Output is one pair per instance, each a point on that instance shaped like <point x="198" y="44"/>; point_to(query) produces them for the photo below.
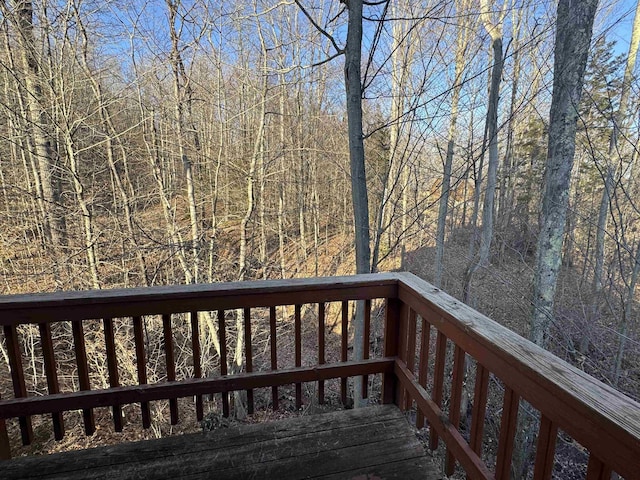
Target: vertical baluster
<point x="274" y="353"/>
<point x="141" y="363"/>
<point x="365" y="348"/>
<point x="223" y="359"/>
<point x="170" y="362"/>
<point x="456" y="398"/>
<point x="248" y="355"/>
<point x="411" y="351"/>
<point x="438" y="380"/>
<point x="423" y="367"/>
<point x="545" y="449"/>
<point x="401" y="393"/>
<point x="197" y="360"/>
<point x="597" y="470"/>
<point x="297" y="326"/>
<point x="508" y="425"/>
<point x="5" y="448"/>
<point x="17" y="378"/>
<point x="344" y="341"/>
<point x="321" y="360"/>
<point x="83" y="372"/>
<point x="391" y="338"/>
<point x="481" y="390"/>
<point x="52" y="376"/>
<point x="112" y="366"/>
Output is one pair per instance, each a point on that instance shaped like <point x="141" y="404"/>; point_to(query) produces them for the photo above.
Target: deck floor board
<point x="371" y="443"/>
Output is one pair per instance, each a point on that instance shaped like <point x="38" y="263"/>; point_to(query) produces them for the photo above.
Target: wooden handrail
<point x="114" y="303"/>
<point x="603" y="420"/>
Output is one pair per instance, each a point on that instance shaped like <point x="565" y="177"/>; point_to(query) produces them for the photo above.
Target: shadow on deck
<point x="369" y="443"/>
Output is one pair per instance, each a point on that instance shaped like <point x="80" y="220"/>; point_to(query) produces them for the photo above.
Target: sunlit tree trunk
<point x="573" y="36"/>
<point x="460" y="60"/>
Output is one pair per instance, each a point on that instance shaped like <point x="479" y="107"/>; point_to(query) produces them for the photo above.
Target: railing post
<point x="5" y="448"/>
<point x="391" y="349"/>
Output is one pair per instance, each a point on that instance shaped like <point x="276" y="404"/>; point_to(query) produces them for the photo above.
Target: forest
<point x="156" y="142"/>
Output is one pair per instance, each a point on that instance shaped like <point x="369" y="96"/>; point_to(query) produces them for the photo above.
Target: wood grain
<point x="144" y="393"/>
<point x="602" y="419"/>
<point x="112" y="366"/>
<point x="116" y="303"/>
<point x="375" y="442"/>
<point x="83" y="373"/>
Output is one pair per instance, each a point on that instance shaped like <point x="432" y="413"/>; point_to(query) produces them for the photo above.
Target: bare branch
<point x="319" y="28"/>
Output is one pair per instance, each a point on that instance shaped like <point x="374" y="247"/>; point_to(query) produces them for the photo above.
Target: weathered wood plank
<point x="46" y="343"/>
<point x="273" y="343"/>
<point x="366" y="339"/>
<point x="545" y="450"/>
<point x="145" y="393"/>
<point x="301" y="447"/>
<point x="508" y="425"/>
<point x="112" y="366"/>
<point x="438" y="382"/>
<point x="321" y="348"/>
<point x="83" y="373"/>
<point x="344" y="343"/>
<point x="470" y="461"/>
<point x="480" y="393"/>
<point x="225" y="439"/>
<point x="298" y="351"/>
<point x="223" y="358"/>
<point x="456" y="398"/>
<point x="323" y="462"/>
<point x="170" y="363"/>
<point x="248" y="354"/>
<point x="423" y="365"/>
<point x="5" y="447"/>
<point x="197" y="360"/>
<point x="17" y="378"/>
<point x="391" y="336"/>
<point x="80" y="305"/>
<point x="141" y="365"/>
<point x="410" y="469"/>
<point x="602" y="419"/>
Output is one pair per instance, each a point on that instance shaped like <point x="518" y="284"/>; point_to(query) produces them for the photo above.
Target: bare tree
<point x="573" y="36"/>
<point x="460" y="61"/>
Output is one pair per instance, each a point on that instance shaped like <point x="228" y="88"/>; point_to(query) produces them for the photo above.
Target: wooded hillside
<point x="166" y="142"/>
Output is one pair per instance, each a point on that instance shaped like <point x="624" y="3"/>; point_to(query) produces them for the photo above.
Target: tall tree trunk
<point x="461" y="49"/>
<point x="626" y="318"/>
<point x="618" y="129"/>
<point x="491" y="136"/>
<point x="39" y="130"/>
<point x="492" y="133"/>
<point x="180" y="91"/>
<point x="359" y="194"/>
<point x="573" y="36"/>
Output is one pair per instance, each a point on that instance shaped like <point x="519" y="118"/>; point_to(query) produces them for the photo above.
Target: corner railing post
<point x="391" y="340"/>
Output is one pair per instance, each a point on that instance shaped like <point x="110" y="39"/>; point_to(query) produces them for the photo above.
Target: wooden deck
<point x="371" y="443"/>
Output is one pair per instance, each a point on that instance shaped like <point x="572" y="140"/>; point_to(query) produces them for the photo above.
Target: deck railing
<point x="416" y="364"/>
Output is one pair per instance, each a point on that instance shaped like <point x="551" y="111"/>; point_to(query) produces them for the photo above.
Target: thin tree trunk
<point x="359" y="194"/>
<point x="626" y="318"/>
<point x="461" y="49"/>
<point x="39" y="130"/>
<point x="179" y="93"/>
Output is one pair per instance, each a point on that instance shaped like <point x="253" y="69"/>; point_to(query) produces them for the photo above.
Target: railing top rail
<point x="603" y="419"/>
<point x="88" y="304"/>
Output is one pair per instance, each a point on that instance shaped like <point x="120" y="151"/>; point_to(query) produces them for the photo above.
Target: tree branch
<point x="320" y="29"/>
